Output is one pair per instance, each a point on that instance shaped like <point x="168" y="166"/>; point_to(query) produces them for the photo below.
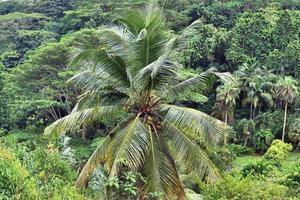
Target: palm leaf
<point x="129" y="145"/>
<point x="160" y="171"/>
<point x="76" y="118"/>
<point x="204" y="79"/>
<point x="104" y="61"/>
<point x="195" y="122"/>
<point x="99" y="156"/>
<point x="157" y="75"/>
<point x="191" y="156"/>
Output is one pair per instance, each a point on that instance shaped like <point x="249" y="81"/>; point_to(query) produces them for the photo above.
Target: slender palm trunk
<point x="84" y="132"/>
<point x="284" y="120"/>
<point x="226" y="122"/>
<point x="251" y="110"/>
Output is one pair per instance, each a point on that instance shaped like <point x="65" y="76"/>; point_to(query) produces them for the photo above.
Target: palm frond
<point x="205" y="78"/>
<point x="115" y="39"/>
<point x="196" y="123"/>
<point x="160" y="171"/>
<point x="147" y="38"/>
<point x="76" y="118"/>
<point x="129" y="146"/>
<point x="105" y="61"/>
<point x="157" y="75"/>
<point x="109" y="97"/>
<point x="99" y="156"/>
<point x="134" y="22"/>
<point x="191" y="156"/>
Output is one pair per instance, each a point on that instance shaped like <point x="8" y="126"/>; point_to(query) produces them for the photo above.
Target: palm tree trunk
<point x="251" y="108"/>
<point x="84" y="132"/>
<point x="226" y="122"/>
<point x="284" y="120"/>
<point x="246" y="140"/>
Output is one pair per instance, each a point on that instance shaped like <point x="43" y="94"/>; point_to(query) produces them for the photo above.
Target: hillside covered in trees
<point x="149" y="100"/>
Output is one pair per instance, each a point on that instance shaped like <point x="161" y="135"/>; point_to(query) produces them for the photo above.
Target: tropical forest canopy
<point x="154" y="100"/>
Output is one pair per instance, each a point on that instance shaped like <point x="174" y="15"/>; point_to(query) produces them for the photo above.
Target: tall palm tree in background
<point x="227" y="94"/>
<point x="287" y="92"/>
<point x="258" y="92"/>
<point x="128" y="70"/>
<point x="256" y="86"/>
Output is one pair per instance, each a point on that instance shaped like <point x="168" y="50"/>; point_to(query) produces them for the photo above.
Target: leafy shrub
<point x="123" y="186"/>
<point x="259" y="167"/>
<point x="15" y="181"/>
<point x="55" y="177"/>
<point x="278" y="151"/>
<point x="292" y="177"/>
<point x="222" y="157"/>
<point x="234" y="188"/>
<point x="262" y="139"/>
<point x="82" y="149"/>
<point x="48" y="165"/>
<point x="271" y="161"/>
<point x="270" y="120"/>
<point x="239" y="150"/>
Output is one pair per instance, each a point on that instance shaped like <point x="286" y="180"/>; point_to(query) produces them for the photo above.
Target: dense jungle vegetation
<point x="149" y="99"/>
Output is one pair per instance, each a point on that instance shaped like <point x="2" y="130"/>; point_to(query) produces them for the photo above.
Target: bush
<point x="260" y="167"/>
<point x="271" y="161"/>
<point x="278" y="151"/>
<point x="239" y="150"/>
<point x="54" y="176"/>
<point x="262" y="139"/>
<point x="222" y="157"/>
<point x="234" y="188"/>
<point x="15" y="181"/>
<point x="292" y="178"/>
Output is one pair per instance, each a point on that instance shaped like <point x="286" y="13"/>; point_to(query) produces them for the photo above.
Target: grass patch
<point x="242" y="161"/>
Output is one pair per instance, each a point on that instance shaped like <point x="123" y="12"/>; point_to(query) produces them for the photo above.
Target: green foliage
<point x="256" y="40"/>
<point x="260" y="167"/>
<point x="271" y="120"/>
<point x="235" y="187"/>
<point x="292" y="177"/>
<point x="245" y="128"/>
<point x="263" y="139"/>
<point x="239" y="150"/>
<point x="278" y="151"/>
<point x="202" y="44"/>
<point x="269" y="45"/>
<point x="245" y="125"/>
<point x="15" y="180"/>
<point x="222" y="157"/>
<point x="294" y="132"/>
<point x="271" y="161"/>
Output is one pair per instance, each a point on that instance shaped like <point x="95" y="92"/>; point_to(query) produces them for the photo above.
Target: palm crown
<point x="128" y="69"/>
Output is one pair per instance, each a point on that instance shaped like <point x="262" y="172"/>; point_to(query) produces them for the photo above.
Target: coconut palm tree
<point x="258" y="92"/>
<point x="128" y="70"/>
<point x="287" y="92"/>
<point x="227" y="94"/>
